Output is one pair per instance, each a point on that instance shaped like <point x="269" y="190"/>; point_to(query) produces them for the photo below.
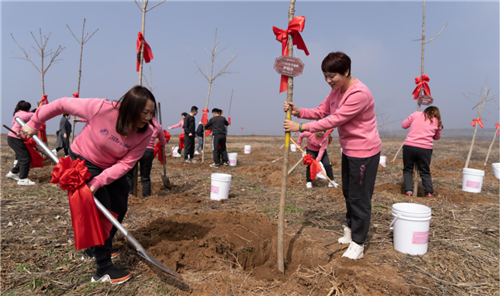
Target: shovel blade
<point x="166" y="182"/>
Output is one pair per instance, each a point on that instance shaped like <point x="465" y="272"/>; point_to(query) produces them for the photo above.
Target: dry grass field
<point x="229" y="247"/>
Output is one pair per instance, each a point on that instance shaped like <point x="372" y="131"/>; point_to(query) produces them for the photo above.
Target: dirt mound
<point x="449" y="163"/>
<point x="457" y="197"/>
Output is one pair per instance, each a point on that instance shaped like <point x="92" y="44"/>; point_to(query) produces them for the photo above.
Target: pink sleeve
<point x="83" y="120"/>
<point x="161" y="134"/>
<point x="180" y="124"/>
<point x="437" y="136"/>
<point x="407" y="123"/>
<point x="353" y="105"/>
<point x="299" y="141"/>
<point x="122" y="166"/>
<point x="317" y="113"/>
<point x="322" y="149"/>
<point x="85" y="108"/>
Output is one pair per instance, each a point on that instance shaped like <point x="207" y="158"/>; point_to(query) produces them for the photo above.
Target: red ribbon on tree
<point x="42" y="134"/>
<point x="479" y="121"/>
<point x="76" y="95"/>
<point x="43" y="101"/>
<point x="147" y="54"/>
<point x="204" y="120"/>
<point x="497" y="125"/>
<point x="36" y="158"/>
<point x="181" y="141"/>
<point x="91" y="227"/>
<point x="294" y="27"/>
<point x="314" y="166"/>
<point x="419" y="81"/>
<point x="229" y="120"/>
<point x="157" y="148"/>
<point x="327" y="134"/>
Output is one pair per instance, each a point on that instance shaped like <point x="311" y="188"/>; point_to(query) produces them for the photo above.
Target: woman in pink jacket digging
<point x="350" y="108"/>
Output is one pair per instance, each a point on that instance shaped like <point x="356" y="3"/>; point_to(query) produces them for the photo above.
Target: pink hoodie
<point x="157" y="133"/>
<point x="25" y="116"/>
<point x="314" y="143"/>
<point x="354" y="114"/>
<point x="422" y="131"/>
<point x="180" y="124"/>
<point x="98" y="141"/>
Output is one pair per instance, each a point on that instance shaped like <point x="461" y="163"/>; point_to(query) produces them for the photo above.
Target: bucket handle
<point x="398" y="216"/>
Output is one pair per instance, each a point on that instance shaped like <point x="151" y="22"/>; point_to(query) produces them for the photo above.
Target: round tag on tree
<point x="289" y="66"/>
<point x="425" y="100"/>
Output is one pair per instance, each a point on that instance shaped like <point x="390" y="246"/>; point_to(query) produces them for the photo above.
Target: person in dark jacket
<point x="218" y="125"/>
<point x="199" y="136"/>
<point x="189" y="133"/>
<point x="63" y="135"/>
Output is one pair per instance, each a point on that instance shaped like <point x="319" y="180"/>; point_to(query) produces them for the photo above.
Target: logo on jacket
<point x="104" y="132"/>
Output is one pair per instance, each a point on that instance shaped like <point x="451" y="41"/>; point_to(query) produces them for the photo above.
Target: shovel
<point x="110" y="217"/>
<point x="164" y="178"/>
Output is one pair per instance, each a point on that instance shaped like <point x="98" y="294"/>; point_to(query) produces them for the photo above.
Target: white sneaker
<point x="333" y="184"/>
<point x="25" y="182"/>
<point x="309" y="185"/>
<point x="346" y="239"/>
<point x="354" y="251"/>
<point x="196" y="153"/>
<point x="54" y="151"/>
<point x="12" y="176"/>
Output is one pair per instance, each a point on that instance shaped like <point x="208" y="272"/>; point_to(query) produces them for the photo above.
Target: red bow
<point x="157" y="148"/>
<point x="498" y="126"/>
<point x="76" y="95"/>
<point x="229" y="120"/>
<point x="147" y="54"/>
<point x="36" y="159"/>
<point x="314" y="166"/>
<point x="91" y="227"/>
<point x="294" y="27"/>
<point x="43" y="101"/>
<point x="42" y="134"/>
<point x="204" y="117"/>
<point x="167" y="136"/>
<point x="473" y="123"/>
<point x="419" y="81"/>
<point x="181" y="141"/>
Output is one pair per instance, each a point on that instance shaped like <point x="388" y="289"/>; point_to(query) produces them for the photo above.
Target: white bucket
<point x="383" y="160"/>
<point x="175" y="152"/>
<point x="220" y="186"/>
<point x="248" y="148"/>
<point x="496" y="169"/>
<point x="233" y="158"/>
<point x="293" y="148"/>
<point x="411" y="228"/>
<point x="472" y="180"/>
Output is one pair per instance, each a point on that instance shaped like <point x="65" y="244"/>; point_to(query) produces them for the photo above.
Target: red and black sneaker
<point x="409" y="193"/>
<point x="429" y="195"/>
<point x="112" y="275"/>
<point x="114" y="253"/>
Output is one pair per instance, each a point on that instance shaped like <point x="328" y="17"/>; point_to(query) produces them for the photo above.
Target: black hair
<point x="215" y="110"/>
<point x="130" y="107"/>
<point x="184" y="114"/>
<point x="65" y="114"/>
<point x="23" y="106"/>
<point x="336" y="62"/>
<point x="194" y="108"/>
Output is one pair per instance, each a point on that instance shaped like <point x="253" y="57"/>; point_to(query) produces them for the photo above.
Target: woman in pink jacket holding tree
<point x="350" y="108"/>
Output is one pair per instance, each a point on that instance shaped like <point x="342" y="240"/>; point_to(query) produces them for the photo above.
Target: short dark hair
<point x="194" y="108"/>
<point x="23" y="106"/>
<point x="65" y="114"/>
<point x="215" y="110"/>
<point x="336" y="62"/>
<point x="130" y="107"/>
<point x="184" y="114"/>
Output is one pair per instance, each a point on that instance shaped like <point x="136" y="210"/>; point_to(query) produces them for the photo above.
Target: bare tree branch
<point x="155" y="5"/>
<point x="437" y="34"/>
<point x="26" y="55"/>
<point x="140" y="7"/>
<point x="199" y="69"/>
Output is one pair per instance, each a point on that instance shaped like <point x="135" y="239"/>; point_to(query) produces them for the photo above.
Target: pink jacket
<point x="180" y="124"/>
<point x="354" y="114"/>
<point x="25" y="116"/>
<point x="314" y="143"/>
<point x="157" y="133"/>
<point x="98" y="141"/>
<point x="422" y="131"/>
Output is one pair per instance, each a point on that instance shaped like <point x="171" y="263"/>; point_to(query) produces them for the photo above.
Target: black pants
<point x="22" y="155"/>
<point x="113" y="197"/>
<point x="189" y="143"/>
<point x="421" y="157"/>
<point x="219" y="139"/>
<point x="326" y="163"/>
<point x="65" y="150"/>
<point x="146" y="162"/>
<point x="358" y="182"/>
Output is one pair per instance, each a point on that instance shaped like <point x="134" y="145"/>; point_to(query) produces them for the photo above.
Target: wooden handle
<point x="10" y="130"/>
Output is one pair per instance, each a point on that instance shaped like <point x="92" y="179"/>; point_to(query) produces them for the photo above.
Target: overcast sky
<point x="378" y="36"/>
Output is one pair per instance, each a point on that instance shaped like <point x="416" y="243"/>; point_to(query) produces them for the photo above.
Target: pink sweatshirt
<point x="25" y="116"/>
<point x="354" y="114"/>
<point x="314" y="143"/>
<point x="157" y="133"/>
<point x="98" y="141"/>
<point x="180" y="124"/>
<point x="422" y="131"/>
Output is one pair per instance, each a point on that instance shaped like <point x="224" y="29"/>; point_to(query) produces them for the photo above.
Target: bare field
<point x="229" y="247"/>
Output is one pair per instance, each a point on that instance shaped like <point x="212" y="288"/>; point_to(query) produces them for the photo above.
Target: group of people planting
<point x="119" y="134"/>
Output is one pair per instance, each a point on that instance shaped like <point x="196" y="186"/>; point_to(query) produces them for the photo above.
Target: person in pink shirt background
<point x="113" y="139"/>
<point x="350" y="107"/>
<point x="425" y="127"/>
<point x="180" y="124"/>
<point x="316" y="146"/>
<point x="21" y="168"/>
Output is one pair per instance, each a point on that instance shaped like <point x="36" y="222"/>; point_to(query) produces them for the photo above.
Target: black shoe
<point x="214" y="165"/>
<point x="112" y="275"/>
<point x="90" y="255"/>
<point x="226" y="163"/>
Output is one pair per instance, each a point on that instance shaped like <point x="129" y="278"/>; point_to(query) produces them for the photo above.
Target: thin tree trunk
<point x="42" y="72"/>
<point x="79" y="78"/>
<point x="284" y="177"/>
<point x="482" y="101"/>
<point x="491" y="145"/>
<point x="204" y="136"/>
